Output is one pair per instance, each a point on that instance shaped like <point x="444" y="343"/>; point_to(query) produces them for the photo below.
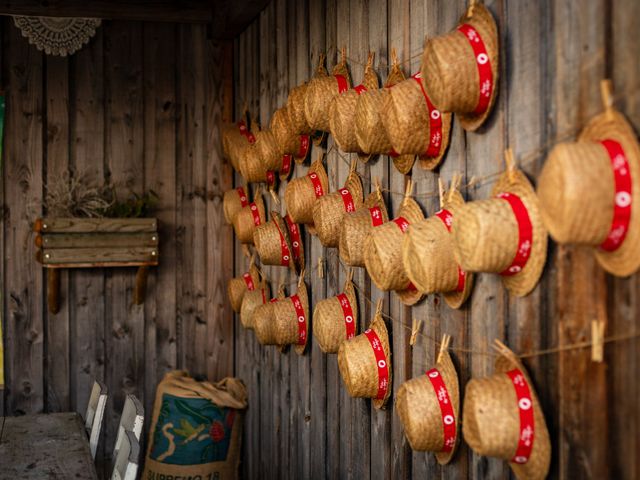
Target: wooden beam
<point x="231" y="18"/>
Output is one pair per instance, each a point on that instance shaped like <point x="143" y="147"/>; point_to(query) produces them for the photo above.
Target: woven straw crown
<point x="251" y="300"/>
<point x="420" y="413"/>
<point x="295" y="106"/>
<point x="232" y="203"/>
<point x="358" y="364"/>
<point x="428" y="259"/>
<point x="264" y="155"/>
<point x="450" y="69"/>
<point x="329" y="322"/>
<point x="491" y="419"/>
<point x="330" y="210"/>
<point x="383" y="254"/>
<point x="234" y="142"/>
<point x="286" y="320"/>
<point x="486" y="234"/>
<point x="356" y="227"/>
<point x="577" y="192"/>
<point x="300" y="196"/>
<point x="237" y="287"/>
<point x="244" y="224"/>
<point x="289" y="142"/>
<point x="268" y="239"/>
<point x="263" y="321"/>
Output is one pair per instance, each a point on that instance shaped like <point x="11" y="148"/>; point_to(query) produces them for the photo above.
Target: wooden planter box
<point x="96" y="242"/>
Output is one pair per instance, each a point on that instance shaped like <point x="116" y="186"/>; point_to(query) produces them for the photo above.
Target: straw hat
<point x="289" y="142"/>
<point x="383" y="252"/>
<point x="370" y="132"/>
<point x="330" y="210"/>
<point x="427" y="253"/>
<point x="321" y="90"/>
<point x="429" y="408"/>
<point x="238" y="286"/>
<point x="291" y="319"/>
<point x="295" y="103"/>
<point x="274" y="243"/>
<point x="233" y="201"/>
<point x="503" y="234"/>
<point x="251" y="300"/>
<point x="413" y="124"/>
<point x="589" y="192"/>
<point x="248" y="218"/>
<point x="342" y="112"/>
<point x="301" y="193"/>
<point x="365" y="362"/>
<point x="264" y="322"/>
<point x="356" y="227"/>
<point x="260" y="157"/>
<point x="336" y="318"/>
<point x="235" y="138"/>
<point x="460" y="69"/>
<point x="502" y="418"/>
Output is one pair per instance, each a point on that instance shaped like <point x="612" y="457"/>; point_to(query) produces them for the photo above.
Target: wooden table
<point x="51" y="445"/>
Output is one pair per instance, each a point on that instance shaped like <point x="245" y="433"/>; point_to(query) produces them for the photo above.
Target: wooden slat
<point x="93" y="225"/>
<point x="103" y="255"/>
<point x="92" y="240"/>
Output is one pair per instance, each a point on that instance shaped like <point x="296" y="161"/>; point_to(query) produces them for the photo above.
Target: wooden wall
<point x="137" y="106"/>
<point x="301" y="422"/>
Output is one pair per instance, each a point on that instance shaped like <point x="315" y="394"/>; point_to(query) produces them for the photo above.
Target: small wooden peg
<point x="408" y="191"/>
<point x="376" y="183"/>
<point x="511" y="164"/>
<point x="352" y="166"/>
<point x="321" y="267"/>
<point x="275" y="197"/>
<point x="415" y="329"/>
<point x="597" y="340"/>
<point x="301" y="279"/>
<point x="247" y="253"/>
<point x="441" y="192"/>
<point x="343" y="55"/>
<point x="472" y="4"/>
<point x="349" y="274"/>
<point x="444" y="346"/>
<point x="379" y="304"/>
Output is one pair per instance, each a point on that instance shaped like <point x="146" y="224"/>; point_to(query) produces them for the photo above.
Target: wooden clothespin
<point x="353" y="165"/>
<point x="370" y="58"/>
<point x="379" y="304"/>
<point x="444" y="346"/>
<point x="349" y="274"/>
<point x="511" y="164"/>
<point x="321" y="267"/>
<point x="597" y="340"/>
<point x="281" y="292"/>
<point x="441" y="192"/>
<point x="472" y="4"/>
<point x="455" y="184"/>
<point x="376" y="184"/>
<point x="607" y="97"/>
<point x="343" y="55"/>
<point x="301" y="279"/>
<point x="416" y="325"/>
<point x="247" y="253"/>
<point x="408" y="191"/>
<point x="274" y="196"/>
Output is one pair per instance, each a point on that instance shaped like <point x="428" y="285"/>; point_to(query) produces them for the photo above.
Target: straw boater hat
<point x="235" y="138"/>
<point x="330" y="210"/>
<point x="291" y="319"/>
<point x="335" y="319"/>
<point x="248" y="218"/>
<point x="383" y="251"/>
<point x="365" y="362"/>
<point x="264" y="322"/>
<point x="290" y="143"/>
<point x="460" y="69"/>
<point x="261" y="157"/>
<point x="429" y="408"/>
<point x="251" y="300"/>
<point x="238" y="286"/>
<point x="233" y="201"/>
<point x="503" y="234"/>
<point x="302" y="192"/>
<point x="356" y="227"/>
<point x="320" y="92"/>
<point x="427" y="253"/>
<point x="342" y="112"/>
<point x="295" y="104"/>
<point x="279" y="242"/>
<point x="370" y="132"/>
<point x="589" y="191"/>
<point x="413" y="124"/>
<point x="502" y="418"/>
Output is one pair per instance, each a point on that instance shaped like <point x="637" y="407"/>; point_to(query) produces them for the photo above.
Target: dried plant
<point x="76" y="196"/>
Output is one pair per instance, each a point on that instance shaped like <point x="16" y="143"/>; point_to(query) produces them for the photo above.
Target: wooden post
<point x="53" y="290"/>
<point x="141" y="285"/>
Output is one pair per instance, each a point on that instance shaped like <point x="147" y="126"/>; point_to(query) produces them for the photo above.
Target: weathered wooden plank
<point x="89" y="240"/>
<point x="57" y="148"/>
<point x="22" y="159"/>
<point x="95" y="225"/>
<point x="102" y="256"/>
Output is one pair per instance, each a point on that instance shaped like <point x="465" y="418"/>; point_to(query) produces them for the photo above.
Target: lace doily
<point x="57" y="35"/>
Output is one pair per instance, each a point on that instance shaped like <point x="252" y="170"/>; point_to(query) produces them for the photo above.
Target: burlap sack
<point x="196" y="428"/>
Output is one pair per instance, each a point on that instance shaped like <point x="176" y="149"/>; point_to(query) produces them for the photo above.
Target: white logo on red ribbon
<point x="245" y="132"/>
<point x="525" y="408"/>
<point x="286" y="164"/>
<point x="359" y="89"/>
<point x="622" y="197"/>
<point x="435" y="122"/>
<point x="243" y="196"/>
<point x="402" y="223"/>
<point x="446" y="409"/>
<point x="302" y="319"/>
<point x="343" y="86"/>
<point x="347" y="199"/>
<point x="249" y="281"/>
<point x="484" y="67"/>
<point x="525" y="234"/>
<point x="381" y="363"/>
<point x="285" y="254"/>
<point x="255" y="213"/>
<point x="304" y="146"/>
<point x="294" y="233"/>
<point x="347" y="312"/>
<point x="376" y="216"/>
<point x="317" y="185"/>
<point x="447" y="218"/>
<point x="271" y="178"/>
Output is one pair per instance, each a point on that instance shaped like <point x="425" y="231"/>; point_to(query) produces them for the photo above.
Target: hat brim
<point x="284" y="232"/>
<point x="302" y="294"/>
<point x="431" y="163"/>
<point x="612" y="125"/>
<point x="450" y="376"/>
<point x="409" y="297"/>
<point x="540" y="457"/>
<point x="379" y="326"/>
<point x="521" y="283"/>
<point x="481" y="16"/>
<point x="404" y="163"/>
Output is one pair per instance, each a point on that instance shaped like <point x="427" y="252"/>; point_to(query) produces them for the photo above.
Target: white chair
<point x="95" y="414"/>
<point x="126" y="465"/>
<point x="132" y="419"/>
